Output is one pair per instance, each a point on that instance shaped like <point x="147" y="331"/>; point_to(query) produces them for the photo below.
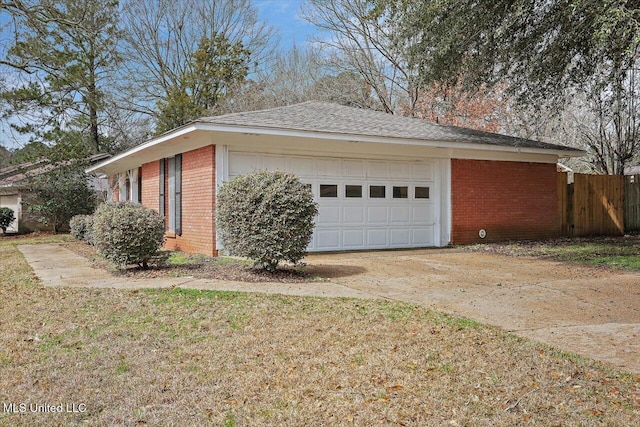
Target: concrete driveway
<point x="585" y="310"/>
<point x="589" y="311"/>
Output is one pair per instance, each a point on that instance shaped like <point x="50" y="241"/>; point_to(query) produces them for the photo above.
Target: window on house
<point x="377" y="192"/>
<point x="161" y="186"/>
<point x="422" y="192"/>
<point x="139" y="185"/>
<point x="171" y="197"/>
<point x="353" y="191"/>
<point x="328" y="190"/>
<point x="400" y="192"/>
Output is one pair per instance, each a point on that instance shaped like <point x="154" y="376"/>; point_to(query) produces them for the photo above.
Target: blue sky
<point x="285" y="16"/>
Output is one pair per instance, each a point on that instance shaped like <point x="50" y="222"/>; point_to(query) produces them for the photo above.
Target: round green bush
<point x="127" y="233"/>
<point x="81" y="227"/>
<point x="267" y="217"/>
<point x="6" y="218"/>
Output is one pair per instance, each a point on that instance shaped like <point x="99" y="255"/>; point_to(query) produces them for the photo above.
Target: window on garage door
<point x="328" y="190"/>
<point x="400" y="192"/>
<point x="421" y="192"/>
<point x="353" y="191"/>
<point x="377" y="191"/>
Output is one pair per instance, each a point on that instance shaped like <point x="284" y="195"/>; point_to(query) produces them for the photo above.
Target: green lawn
<point x="186" y="357"/>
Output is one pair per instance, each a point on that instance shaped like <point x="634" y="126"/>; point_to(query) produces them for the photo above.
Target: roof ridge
<point x="262" y="110"/>
<point x="331" y="117"/>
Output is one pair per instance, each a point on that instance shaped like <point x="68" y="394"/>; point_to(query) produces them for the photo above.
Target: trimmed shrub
<point x="6" y="218"/>
<point x="81" y="227"/>
<point x="267" y="217"/>
<point x="127" y="233"/>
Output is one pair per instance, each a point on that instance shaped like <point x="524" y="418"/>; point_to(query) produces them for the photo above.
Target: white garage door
<point x="12" y="202"/>
<point x="363" y="204"/>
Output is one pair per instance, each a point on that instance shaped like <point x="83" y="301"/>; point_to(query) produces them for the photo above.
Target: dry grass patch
<point x="186" y="357"/>
<point x="620" y="253"/>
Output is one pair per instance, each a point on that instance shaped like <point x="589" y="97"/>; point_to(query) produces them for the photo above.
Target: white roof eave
<point x="111" y="163"/>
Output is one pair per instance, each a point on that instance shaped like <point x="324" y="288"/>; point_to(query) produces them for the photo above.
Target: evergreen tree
<point x="64" y="53"/>
<point x="217" y="68"/>
<point x="541" y="48"/>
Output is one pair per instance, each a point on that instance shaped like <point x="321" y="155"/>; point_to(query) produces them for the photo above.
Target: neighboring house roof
<point x="323" y="120"/>
<point x="12" y="177"/>
<point x="327" y="117"/>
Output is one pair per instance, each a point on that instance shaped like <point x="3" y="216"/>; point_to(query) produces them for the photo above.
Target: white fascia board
<point x="151" y="143"/>
<point x="386" y="140"/>
<point x="329" y="136"/>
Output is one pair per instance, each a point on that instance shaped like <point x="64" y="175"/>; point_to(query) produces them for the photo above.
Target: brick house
<point x="381" y="181"/>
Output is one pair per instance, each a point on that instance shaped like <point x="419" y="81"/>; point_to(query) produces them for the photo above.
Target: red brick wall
<point x="150" y="187"/>
<point x="198" y="200"/>
<point x="510" y="200"/>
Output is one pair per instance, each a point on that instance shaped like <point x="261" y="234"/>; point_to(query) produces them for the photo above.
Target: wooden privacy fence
<point x="591" y="205"/>
<point x="632" y="203"/>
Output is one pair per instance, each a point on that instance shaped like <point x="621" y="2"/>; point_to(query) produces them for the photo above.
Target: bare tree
<point x="291" y="75"/>
<point x="361" y="43"/>
<point x="610" y="128"/>
<point x="602" y="119"/>
<point x="484" y="109"/>
<point x="162" y="35"/>
<point x="299" y="75"/>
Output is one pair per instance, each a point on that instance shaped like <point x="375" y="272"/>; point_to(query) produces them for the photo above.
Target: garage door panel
<point x="422" y="236"/>
<point x="274" y="163"/>
<point x="400" y="237"/>
<point x="377" y="237"/>
<point x="377" y="214"/>
<point x="422" y="172"/>
<point x="302" y="166"/>
<point x="377" y="170"/>
<point x="353" y="215"/>
<point x="241" y="163"/>
<point x="399" y="171"/>
<point x="328" y="167"/>
<point x="353" y="168"/>
<point x="329" y="215"/>
<point x="328" y="239"/>
<point x="422" y="215"/>
<point x="400" y="215"/>
<point x="353" y="239"/>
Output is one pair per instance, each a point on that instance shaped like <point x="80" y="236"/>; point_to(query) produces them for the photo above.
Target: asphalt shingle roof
<point x="13" y="176"/>
<point x="326" y="117"/>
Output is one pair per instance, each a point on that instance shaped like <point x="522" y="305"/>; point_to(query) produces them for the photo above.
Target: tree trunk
<point x="92" y="103"/>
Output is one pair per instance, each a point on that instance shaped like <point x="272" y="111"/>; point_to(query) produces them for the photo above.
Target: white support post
<point x="133" y="180"/>
<point x="122" y="187"/>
